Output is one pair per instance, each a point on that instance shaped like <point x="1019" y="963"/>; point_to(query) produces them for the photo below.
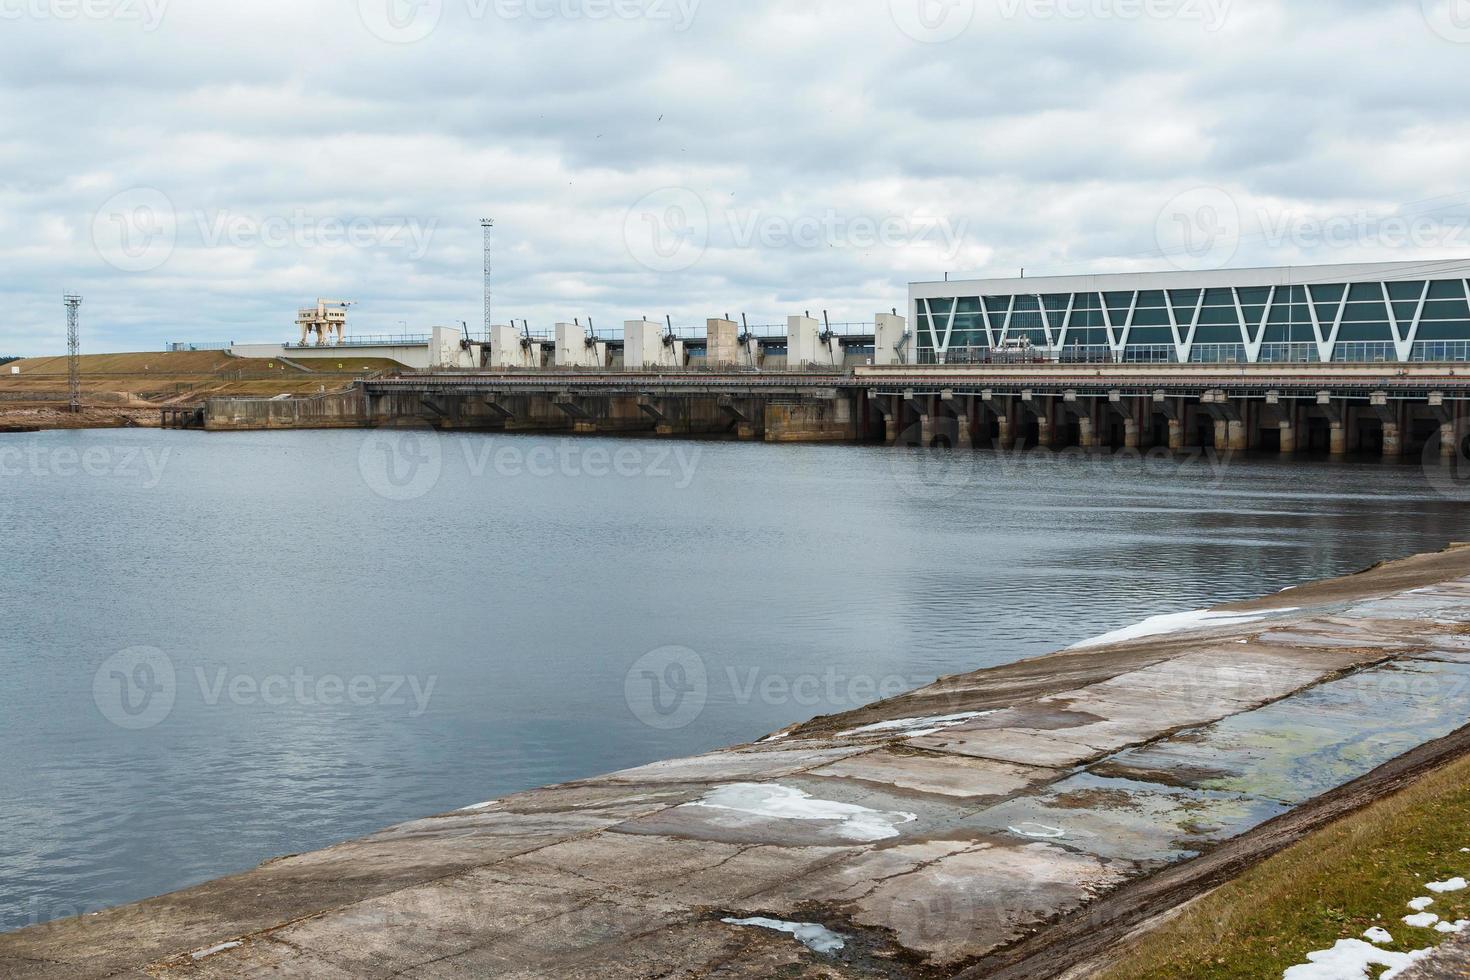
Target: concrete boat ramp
<point x="1012" y="822"/>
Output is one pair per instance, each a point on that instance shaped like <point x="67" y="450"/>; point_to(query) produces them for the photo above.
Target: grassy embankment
<point x="1355" y="874"/>
<point x="181" y="376"/>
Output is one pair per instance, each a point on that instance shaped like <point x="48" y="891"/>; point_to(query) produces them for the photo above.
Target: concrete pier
<point x="1008" y="823"/>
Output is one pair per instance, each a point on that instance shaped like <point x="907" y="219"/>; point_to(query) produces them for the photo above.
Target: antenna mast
<point x="487" y="224"/>
<point x="73" y="351"/>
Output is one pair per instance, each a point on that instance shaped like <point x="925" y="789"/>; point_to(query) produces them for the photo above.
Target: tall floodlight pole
<point x="73" y="350"/>
<point x="487" y="224"/>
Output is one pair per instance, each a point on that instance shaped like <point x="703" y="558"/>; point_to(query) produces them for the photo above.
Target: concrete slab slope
<point x="1007" y="822"/>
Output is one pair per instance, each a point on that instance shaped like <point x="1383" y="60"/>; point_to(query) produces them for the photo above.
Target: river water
<point x="223" y="648"/>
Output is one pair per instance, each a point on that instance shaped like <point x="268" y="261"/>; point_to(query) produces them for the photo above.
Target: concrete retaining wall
<point x="340" y="410"/>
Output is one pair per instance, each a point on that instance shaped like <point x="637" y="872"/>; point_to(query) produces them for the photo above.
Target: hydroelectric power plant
<point x="1331" y="359"/>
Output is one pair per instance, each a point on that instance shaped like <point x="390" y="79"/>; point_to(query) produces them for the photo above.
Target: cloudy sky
<point x="198" y="169"/>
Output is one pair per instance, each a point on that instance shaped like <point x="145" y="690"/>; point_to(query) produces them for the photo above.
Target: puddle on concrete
<point x="1430" y="606"/>
<point x="1312" y="742"/>
<point x="1145" y="823"/>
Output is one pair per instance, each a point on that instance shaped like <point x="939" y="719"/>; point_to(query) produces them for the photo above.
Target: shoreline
<point x="1064" y="799"/>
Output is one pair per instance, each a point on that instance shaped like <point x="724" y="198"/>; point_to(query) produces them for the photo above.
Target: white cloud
<point x="1050" y="138"/>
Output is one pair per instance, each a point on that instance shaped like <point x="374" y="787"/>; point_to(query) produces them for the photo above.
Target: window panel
<point x="1255" y="295"/>
<point x="1446" y="309"/>
<point x="1150" y="335"/>
<point x="1406" y="290"/>
<point x="1151" y="318"/>
<point x="1150" y="299"/>
<point x="1217" y="335"/>
<point x="1219" y="297"/>
<point x="1447" y="289"/>
<point x="1364" y="312"/>
<point x="1360" y="291"/>
<point x="1445" y="330"/>
<point x="1364" y="331"/>
<point x="1404" y="312"/>
<point x="1216" y="315"/>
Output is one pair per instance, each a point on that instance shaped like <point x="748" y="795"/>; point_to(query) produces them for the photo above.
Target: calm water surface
<point x="223" y="648"/>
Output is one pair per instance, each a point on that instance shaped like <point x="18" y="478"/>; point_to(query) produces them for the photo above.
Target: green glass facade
<point x="1426" y="319"/>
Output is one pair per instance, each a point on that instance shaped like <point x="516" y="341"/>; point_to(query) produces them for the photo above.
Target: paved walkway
<point x="980" y="824"/>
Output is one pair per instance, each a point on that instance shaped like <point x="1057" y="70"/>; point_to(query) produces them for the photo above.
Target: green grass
<point x="1356" y="873"/>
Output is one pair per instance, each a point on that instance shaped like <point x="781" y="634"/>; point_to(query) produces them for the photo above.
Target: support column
<point x="1075" y="407"/>
<point x="1229" y="423"/>
<point x="1129" y="412"/>
<point x="1337" y="418"/>
<point x="1173" y="412"/>
<point x="1086" y="433"/>
<point x="1393" y="439"/>
<point x="1390" y="416"/>
<point x="1042" y="410"/>
<point x="1007" y="431"/>
<point x="926" y="424"/>
<point x="1004" y="412"/>
<point x="963" y="407"/>
<point x="1283" y="414"/>
<point x="1236" y="438"/>
<point x="892" y="419"/>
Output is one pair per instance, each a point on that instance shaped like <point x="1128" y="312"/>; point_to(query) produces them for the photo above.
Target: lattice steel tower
<point x="487" y="224"/>
<point x="73" y="350"/>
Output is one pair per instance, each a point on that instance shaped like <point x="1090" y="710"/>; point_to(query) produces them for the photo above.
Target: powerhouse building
<point x="1390" y="311"/>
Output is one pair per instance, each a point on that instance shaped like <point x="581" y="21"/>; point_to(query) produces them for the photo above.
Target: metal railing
<point x="370" y="340"/>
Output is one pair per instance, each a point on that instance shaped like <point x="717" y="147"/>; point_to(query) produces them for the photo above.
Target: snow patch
<point x="1176" y="623"/>
<point x="778" y="802"/>
<point x="1351" y="959"/>
<point x="1378" y="935"/>
<point x="1039" y="831"/>
<point x="814" y="937"/>
<point x="1420" y="904"/>
<point x="202" y="953"/>
<point x="928" y="726"/>
<point x="1454" y="927"/>
<point x="1421" y="920"/>
<point x="1453" y="885"/>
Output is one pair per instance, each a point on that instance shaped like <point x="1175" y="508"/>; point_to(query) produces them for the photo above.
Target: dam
<point x="1330" y="408"/>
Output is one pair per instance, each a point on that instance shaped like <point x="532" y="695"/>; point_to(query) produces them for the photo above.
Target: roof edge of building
<point x="1253" y="275"/>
